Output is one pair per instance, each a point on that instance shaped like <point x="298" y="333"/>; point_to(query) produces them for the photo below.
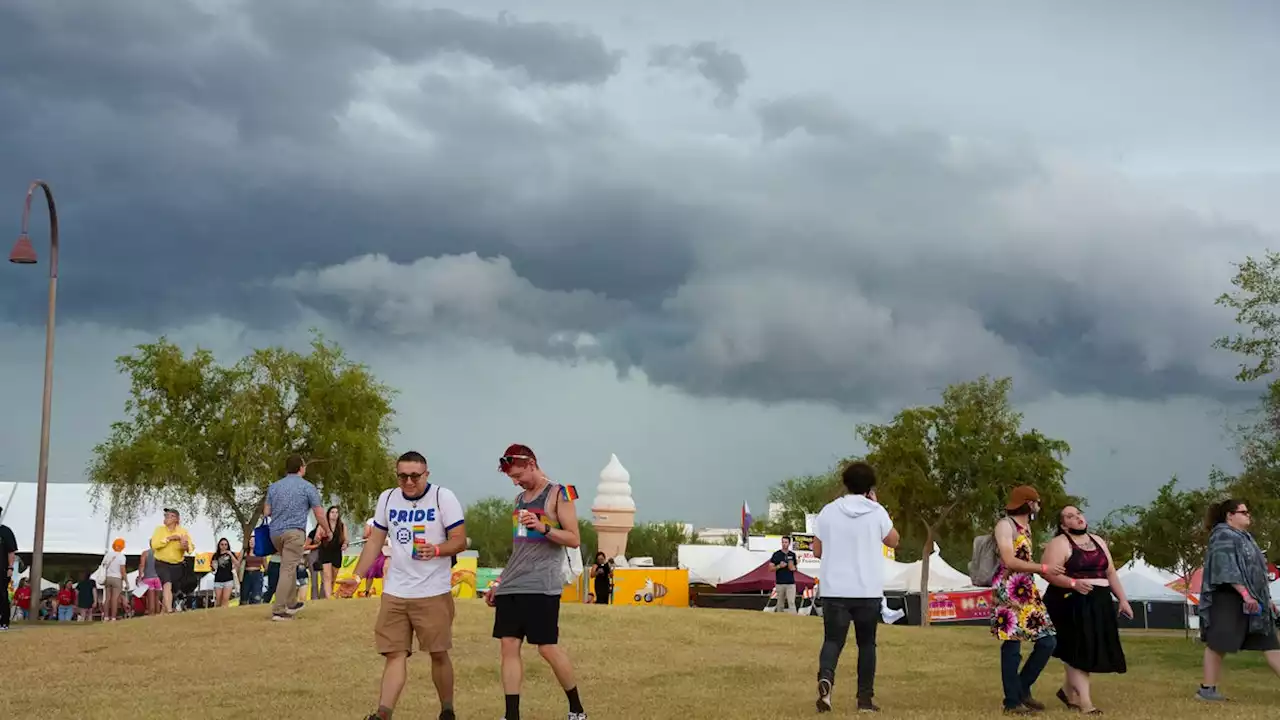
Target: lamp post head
<point x="23" y="253"/>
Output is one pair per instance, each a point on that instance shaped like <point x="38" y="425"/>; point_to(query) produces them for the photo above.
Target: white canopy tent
<point x="942" y="577"/>
<point x="72" y="525"/>
<point x="715" y="564"/>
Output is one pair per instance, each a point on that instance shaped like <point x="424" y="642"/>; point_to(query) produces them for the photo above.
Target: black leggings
<point x="5" y="610"/>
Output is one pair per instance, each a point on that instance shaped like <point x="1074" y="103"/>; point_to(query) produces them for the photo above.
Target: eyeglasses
<point x="410" y="476"/>
<point x="1246" y="513"/>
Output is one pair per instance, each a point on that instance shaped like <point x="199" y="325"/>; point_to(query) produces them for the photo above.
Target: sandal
<point x="1062" y="695"/>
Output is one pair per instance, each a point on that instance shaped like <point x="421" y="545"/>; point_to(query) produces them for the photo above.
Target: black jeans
<point x="5" y="610"/>
<point x="273" y="579"/>
<point x="837" y="615"/>
<point x="1017" y="683"/>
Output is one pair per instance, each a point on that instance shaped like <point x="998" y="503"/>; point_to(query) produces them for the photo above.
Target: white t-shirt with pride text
<point x="430" y="517"/>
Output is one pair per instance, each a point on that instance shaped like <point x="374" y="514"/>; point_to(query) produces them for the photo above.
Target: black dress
<point x="1088" y="634"/>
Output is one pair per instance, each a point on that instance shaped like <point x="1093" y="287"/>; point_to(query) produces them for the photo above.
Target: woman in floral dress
<point x="1018" y="613"/>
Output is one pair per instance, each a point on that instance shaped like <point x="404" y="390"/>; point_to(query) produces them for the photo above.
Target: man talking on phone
<point x="423" y="526"/>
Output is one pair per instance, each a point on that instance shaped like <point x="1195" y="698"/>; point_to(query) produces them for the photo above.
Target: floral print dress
<point x="1019" y="612"/>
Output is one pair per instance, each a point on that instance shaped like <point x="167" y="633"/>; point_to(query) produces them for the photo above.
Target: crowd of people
<point x="418" y="528"/>
<point x="1076" y="618"/>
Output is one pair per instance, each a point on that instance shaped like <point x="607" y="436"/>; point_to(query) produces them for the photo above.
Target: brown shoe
<point x="1032" y="703"/>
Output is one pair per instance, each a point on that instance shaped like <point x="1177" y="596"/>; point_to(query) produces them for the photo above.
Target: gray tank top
<point x="536" y="562"/>
<point x="149" y="571"/>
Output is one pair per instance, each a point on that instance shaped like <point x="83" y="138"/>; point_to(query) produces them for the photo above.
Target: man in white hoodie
<point x="851" y="533"/>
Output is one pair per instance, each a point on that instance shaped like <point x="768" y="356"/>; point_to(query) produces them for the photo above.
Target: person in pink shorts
<point x="379" y="567"/>
<point x="148" y="578"/>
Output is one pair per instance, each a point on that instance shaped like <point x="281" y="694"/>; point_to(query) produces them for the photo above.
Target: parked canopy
<point x="761" y="579"/>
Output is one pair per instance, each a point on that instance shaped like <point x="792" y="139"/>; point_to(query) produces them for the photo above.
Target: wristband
<point x="1044" y="569"/>
<point x="1073" y="583"/>
<point x="437" y="549"/>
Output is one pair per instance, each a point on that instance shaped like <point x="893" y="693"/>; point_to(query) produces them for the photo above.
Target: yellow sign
<point x="203" y="562"/>
<point x="651" y="586"/>
<point x="463" y="579"/>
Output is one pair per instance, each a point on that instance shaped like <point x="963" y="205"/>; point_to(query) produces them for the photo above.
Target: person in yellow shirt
<point x="169" y="544"/>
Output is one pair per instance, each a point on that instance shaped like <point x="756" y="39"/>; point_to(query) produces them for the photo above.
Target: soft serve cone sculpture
<point x="614" y="512"/>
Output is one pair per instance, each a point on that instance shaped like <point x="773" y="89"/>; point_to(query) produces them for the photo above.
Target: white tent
<point x="942" y="577"/>
<point x="72" y="525"/>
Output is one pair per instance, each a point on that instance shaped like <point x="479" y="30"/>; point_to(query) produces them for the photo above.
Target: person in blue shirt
<point x="289" y="500"/>
<point x="783" y="563"/>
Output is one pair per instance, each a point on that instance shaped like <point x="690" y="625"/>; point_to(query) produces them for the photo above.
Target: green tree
<point x="658" y="540"/>
<point x="801" y="496"/>
<point x="1169" y="532"/>
<point x="1122" y="537"/>
<point x="1255" y="302"/>
<point x="945" y="471"/>
<point x="489" y="530"/>
<point x="208" y="439"/>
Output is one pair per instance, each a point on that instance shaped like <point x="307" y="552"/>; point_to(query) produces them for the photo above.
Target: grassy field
<point x="632" y="663"/>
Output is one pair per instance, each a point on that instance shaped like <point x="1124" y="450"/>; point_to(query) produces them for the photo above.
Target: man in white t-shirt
<point x="851" y="533"/>
<point x="423" y="524"/>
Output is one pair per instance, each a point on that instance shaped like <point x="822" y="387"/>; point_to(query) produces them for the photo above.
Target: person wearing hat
<point x="114" y="580"/>
<point x="170" y="543"/>
<point x="1018" y="613"/>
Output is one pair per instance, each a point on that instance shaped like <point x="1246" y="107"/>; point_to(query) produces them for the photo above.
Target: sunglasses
<point x="1246" y="513"/>
<point x="410" y="476"/>
<point x="509" y="460"/>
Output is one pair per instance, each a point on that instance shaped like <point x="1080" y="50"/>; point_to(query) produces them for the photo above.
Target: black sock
<point x="513" y="708"/>
<point x="575" y="705"/>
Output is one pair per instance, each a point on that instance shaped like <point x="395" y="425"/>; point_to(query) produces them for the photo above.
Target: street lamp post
<point x="24" y="254"/>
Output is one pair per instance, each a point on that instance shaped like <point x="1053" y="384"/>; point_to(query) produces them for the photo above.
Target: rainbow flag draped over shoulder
<point x="569" y="492"/>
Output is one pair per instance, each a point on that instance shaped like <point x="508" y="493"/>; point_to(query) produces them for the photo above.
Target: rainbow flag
<point x="569" y="492"/>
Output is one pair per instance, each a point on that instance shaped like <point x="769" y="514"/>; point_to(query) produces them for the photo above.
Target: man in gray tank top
<point x="527" y="594"/>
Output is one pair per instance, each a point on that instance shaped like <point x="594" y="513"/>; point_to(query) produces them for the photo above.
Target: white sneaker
<point x="577" y="716"/>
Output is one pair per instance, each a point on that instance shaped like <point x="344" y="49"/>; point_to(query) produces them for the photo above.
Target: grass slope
<point x="631" y="663"/>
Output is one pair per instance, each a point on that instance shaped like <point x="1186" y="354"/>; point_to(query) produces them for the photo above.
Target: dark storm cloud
<point x="252" y="157"/>
<point x="722" y="68"/>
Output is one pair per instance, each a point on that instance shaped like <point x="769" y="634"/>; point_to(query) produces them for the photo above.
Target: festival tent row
<point x="73" y="526"/>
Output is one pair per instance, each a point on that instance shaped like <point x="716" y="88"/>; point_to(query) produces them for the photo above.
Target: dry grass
<point x="632" y="663"/>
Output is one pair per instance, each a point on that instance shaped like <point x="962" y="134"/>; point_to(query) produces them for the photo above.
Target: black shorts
<point x="1228" y="628"/>
<point x="533" y="618"/>
<point x="169" y="573"/>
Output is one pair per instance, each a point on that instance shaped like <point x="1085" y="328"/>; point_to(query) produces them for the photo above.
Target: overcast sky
<point x="709" y="237"/>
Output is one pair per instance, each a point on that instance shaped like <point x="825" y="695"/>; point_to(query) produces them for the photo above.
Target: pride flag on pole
<point x="746" y="522"/>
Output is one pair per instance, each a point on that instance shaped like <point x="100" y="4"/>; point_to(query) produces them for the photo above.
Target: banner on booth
<point x="960" y="606"/>
<point x="651" y="586"/>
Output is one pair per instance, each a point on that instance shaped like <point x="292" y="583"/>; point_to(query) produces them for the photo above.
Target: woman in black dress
<point x="329" y="552"/>
<point x="1079" y="603"/>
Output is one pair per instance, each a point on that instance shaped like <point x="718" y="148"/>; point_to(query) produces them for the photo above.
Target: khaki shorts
<point x="399" y="619"/>
<point x="113" y="583"/>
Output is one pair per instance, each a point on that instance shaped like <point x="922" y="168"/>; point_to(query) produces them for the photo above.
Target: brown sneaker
<point x="1020" y="710"/>
<point x="1032" y="703"/>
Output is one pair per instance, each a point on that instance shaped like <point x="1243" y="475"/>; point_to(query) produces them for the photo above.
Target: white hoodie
<point x="852" y="530"/>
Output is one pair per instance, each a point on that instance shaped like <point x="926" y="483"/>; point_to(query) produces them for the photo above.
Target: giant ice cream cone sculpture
<point x="614" y="512"/>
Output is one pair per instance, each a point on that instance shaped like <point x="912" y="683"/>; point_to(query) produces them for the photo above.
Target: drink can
<point x="419" y="540"/>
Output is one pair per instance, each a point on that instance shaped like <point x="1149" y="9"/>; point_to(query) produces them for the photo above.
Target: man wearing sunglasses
<point x="423" y="526"/>
<point x="527" y="595"/>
